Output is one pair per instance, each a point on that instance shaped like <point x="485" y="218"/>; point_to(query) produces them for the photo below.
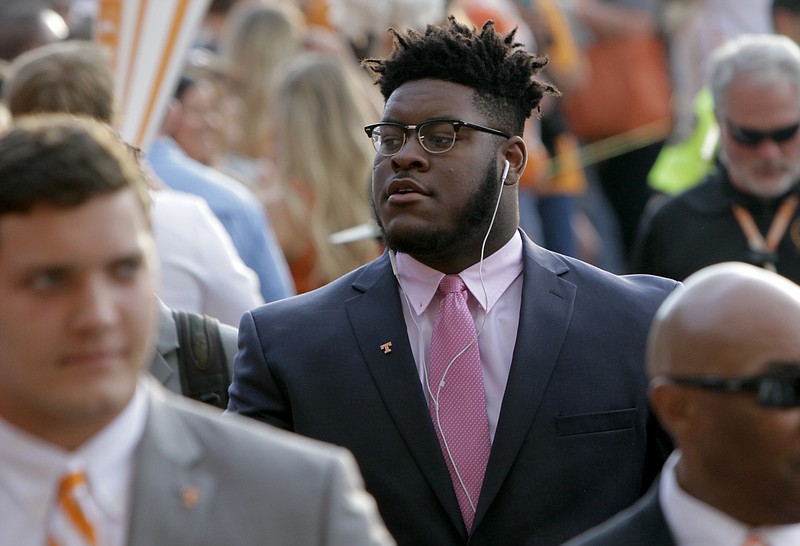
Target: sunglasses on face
<point x="779" y="388"/>
<point x="753" y="137"/>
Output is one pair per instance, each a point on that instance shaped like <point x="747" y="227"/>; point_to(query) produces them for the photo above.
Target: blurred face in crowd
<point x="77" y="314"/>
<point x="199" y="124"/>
<point x="762" y="166"/>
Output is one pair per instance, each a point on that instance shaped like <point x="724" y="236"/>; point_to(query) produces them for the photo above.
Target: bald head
<point x="728" y="319"/>
<point x="738" y="453"/>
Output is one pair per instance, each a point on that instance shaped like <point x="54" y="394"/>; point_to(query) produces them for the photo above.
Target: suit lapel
<point x="376" y="316"/>
<point x="172" y="498"/>
<point x="161" y="369"/>
<point x="655" y="530"/>
<point x="545" y="312"/>
<point x="166" y="344"/>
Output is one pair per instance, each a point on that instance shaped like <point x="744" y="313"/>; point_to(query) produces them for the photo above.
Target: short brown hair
<point x="72" y="76"/>
<point x="62" y="160"/>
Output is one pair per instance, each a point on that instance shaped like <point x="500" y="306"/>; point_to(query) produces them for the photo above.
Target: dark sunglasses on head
<point x="753" y="137"/>
<point x="778" y="388"/>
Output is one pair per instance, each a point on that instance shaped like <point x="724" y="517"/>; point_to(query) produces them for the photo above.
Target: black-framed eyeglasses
<point x="754" y="137"/>
<point x="779" y="388"/>
<point x="435" y="136"/>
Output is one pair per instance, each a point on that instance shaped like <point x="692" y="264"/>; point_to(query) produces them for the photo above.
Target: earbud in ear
<point x="505" y="172"/>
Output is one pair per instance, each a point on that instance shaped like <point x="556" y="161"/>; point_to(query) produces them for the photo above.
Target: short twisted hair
<point x="500" y="71"/>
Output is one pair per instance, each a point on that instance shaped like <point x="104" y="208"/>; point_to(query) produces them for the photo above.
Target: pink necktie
<point x="754" y="540"/>
<point x="455" y="380"/>
<point x="71" y="524"/>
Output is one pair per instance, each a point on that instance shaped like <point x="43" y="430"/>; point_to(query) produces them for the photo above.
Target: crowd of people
<point x="502" y="271"/>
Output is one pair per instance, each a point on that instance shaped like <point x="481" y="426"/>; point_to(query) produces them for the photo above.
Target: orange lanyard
<point x="757" y="243"/>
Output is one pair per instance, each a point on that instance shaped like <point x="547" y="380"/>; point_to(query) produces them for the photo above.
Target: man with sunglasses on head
<point x="510" y="410"/>
<point x="724" y="361"/>
<point x="747" y="208"/>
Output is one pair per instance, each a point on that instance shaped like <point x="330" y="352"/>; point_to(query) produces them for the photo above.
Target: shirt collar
<point x="112" y="449"/>
<point x="39" y="465"/>
<point x="499" y="270"/>
<point x="692" y="521"/>
<point x="33" y="467"/>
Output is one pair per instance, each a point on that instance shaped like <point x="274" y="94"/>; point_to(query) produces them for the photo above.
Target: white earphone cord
<point x="478" y="331"/>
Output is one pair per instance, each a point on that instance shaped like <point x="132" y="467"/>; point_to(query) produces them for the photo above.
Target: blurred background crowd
<point x="265" y="127"/>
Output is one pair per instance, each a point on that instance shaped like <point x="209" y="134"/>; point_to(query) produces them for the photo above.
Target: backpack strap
<point x="203" y="368"/>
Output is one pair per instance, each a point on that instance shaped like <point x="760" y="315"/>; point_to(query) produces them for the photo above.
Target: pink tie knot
<point x="451" y="284"/>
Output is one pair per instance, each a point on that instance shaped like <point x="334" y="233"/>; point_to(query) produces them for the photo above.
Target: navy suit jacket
<point x="575" y="442"/>
<point x="642" y="523"/>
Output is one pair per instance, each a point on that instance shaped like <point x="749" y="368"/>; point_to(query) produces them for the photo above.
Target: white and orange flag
<point x="147" y="41"/>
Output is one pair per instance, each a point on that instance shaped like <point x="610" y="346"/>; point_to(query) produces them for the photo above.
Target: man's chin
<point x="416" y="242"/>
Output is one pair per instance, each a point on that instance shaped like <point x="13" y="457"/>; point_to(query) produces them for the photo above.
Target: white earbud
<point x="505" y="172"/>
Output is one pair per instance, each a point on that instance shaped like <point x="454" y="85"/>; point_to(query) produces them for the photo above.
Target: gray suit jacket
<point x="202" y="479"/>
<point x="164" y="364"/>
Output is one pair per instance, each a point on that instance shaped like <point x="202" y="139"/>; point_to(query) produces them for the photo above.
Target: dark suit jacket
<point x="573" y="441"/>
<point x="641" y="524"/>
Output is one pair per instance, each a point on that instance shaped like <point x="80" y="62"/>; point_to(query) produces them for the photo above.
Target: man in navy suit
<point x="724" y="357"/>
<point x="561" y="343"/>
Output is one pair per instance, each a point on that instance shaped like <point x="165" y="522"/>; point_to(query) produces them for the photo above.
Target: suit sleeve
<point x="254" y="391"/>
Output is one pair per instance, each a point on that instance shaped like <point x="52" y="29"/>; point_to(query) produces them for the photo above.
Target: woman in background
<point x="323" y="165"/>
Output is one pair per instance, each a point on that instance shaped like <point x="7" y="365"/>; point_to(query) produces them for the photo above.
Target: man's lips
<point x="402" y="190"/>
<point x="93" y="357"/>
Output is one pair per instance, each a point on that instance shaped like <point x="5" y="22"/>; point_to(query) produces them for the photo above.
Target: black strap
<point x="201" y="358"/>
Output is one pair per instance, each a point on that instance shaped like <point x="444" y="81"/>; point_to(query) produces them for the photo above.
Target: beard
<point x="473" y="219"/>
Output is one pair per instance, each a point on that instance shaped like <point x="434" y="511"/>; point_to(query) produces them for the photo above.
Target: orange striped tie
<point x="71" y="525"/>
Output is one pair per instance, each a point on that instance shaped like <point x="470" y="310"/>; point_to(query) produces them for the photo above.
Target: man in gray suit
<point x="94" y="450"/>
<point x="724" y="358"/>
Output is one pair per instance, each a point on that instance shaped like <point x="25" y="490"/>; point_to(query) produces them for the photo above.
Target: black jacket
<point x="697" y="228"/>
<point x="643" y="523"/>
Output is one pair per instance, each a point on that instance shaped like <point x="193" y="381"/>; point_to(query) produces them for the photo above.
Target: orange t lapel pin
<point x="190" y="495"/>
<point x="387" y="347"/>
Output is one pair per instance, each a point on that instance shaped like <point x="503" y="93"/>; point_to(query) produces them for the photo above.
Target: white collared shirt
<point x="33" y="468"/>
<point x="201" y="270"/>
<point x="495" y="312"/>
<point x="695" y="523"/>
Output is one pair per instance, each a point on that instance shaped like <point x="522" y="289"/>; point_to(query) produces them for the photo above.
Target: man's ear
<point x="172" y="117"/>
<point x="674" y="408"/>
<point x="515" y="152"/>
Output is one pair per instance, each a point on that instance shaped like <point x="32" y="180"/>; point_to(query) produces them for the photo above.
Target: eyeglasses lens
<point x="435" y="137"/>
<point x="388" y="139"/>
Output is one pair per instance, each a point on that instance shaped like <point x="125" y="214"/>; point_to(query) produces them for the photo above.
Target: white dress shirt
<point x="695" y="523"/>
<point x="201" y="271"/>
<point x="495" y="311"/>
<point x="33" y="468"/>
